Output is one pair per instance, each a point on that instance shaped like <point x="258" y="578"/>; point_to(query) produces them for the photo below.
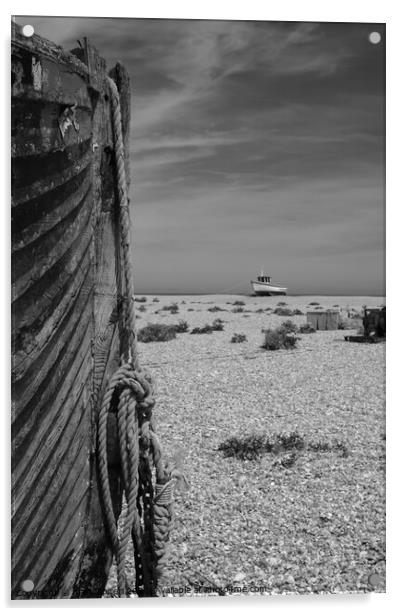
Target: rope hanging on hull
<point x="148" y="515"/>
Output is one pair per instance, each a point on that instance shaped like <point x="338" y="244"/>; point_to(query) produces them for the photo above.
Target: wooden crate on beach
<point x="323" y="319"/>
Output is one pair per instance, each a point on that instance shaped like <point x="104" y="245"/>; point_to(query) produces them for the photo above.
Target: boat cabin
<point x="263" y="278"/>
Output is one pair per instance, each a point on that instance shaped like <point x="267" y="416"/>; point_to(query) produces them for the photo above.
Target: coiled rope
<point x="130" y="397"/>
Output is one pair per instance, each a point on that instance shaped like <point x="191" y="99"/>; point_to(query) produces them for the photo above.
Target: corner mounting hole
<point x="27" y="585"/>
<point x="374" y="38"/>
<point x="28" y="30"/>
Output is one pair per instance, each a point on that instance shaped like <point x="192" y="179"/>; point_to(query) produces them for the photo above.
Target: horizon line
<point x="254" y="295"/>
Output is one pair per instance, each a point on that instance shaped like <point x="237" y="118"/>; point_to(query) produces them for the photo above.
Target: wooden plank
<point x="105" y="294"/>
<point x="97" y="558"/>
<point x="38" y="169"/>
<point x="34" y="218"/>
<point x="32" y="309"/>
<point x="31" y="263"/>
<point x="26" y="307"/>
<point x="61" y="579"/>
<point x="52" y="428"/>
<point x="58" y="579"/>
<point x="61" y="465"/>
<point x="22" y="360"/>
<point x="41" y="382"/>
<point x="61" y="526"/>
<point x="89" y="55"/>
<point x="41" y="185"/>
<point x="47" y="485"/>
<point x="312" y="319"/>
<point x="54" y="473"/>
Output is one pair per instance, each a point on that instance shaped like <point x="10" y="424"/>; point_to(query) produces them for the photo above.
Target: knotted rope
<point x="129" y="396"/>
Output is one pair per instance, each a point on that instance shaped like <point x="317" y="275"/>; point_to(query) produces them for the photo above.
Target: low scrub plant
<point x="238" y="338"/>
<point x="156" y="332"/>
<point x="140" y="299"/>
<point x="239" y="302"/>
<point x="306" y="328"/>
<point x="206" y="329"/>
<point x="287" y="445"/>
<point x="289" y="326"/>
<point x="246" y="448"/>
<point x="283" y="312"/>
<point x="314" y="303"/>
<point x="172" y="308"/>
<point x="142" y="308"/>
<point x="254" y="446"/>
<point x="279" y="338"/>
<point x="217" y="326"/>
<point x="297" y="312"/>
<point x="281" y="304"/>
<point x="181" y="327"/>
<point x="238" y="309"/>
<point x="215" y="309"/>
<point x="325" y="446"/>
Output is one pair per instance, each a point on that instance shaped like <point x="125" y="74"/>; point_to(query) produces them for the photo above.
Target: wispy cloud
<point x="251" y="142"/>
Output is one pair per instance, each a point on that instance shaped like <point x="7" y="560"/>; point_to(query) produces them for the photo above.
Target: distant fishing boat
<point x="264" y="286"/>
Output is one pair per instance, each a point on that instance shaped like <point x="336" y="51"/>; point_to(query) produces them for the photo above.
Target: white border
<point x="289" y="10"/>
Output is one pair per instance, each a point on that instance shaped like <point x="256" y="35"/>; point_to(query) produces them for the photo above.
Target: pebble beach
<point x="308" y="521"/>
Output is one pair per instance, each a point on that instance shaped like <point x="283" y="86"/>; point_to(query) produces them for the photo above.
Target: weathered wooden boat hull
<point x="65" y="335"/>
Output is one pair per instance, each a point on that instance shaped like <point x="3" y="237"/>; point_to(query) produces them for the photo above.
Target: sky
<point x="253" y="145"/>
